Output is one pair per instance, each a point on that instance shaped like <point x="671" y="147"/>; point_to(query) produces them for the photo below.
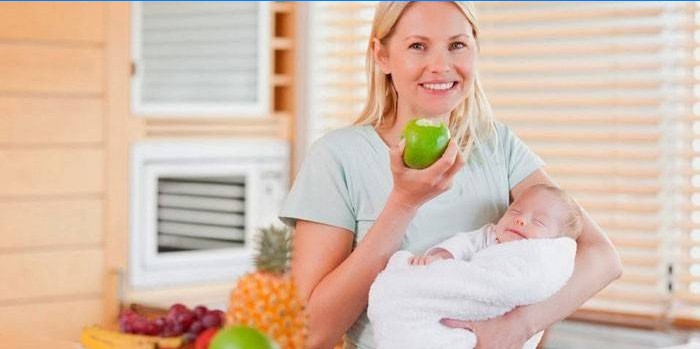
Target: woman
<point x="354" y="203"/>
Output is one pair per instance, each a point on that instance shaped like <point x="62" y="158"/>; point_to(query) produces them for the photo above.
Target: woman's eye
<point x="416" y="46"/>
<point x="457" y="45"/>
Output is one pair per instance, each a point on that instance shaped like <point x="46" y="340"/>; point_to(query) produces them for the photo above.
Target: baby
<point x="524" y="258"/>
<point x="541" y="212"/>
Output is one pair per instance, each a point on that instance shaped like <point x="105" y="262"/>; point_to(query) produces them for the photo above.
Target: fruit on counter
<point x="267" y="298"/>
<point x="241" y="337"/>
<point x="95" y="337"/>
<point x="204" y="338"/>
<point x="178" y="321"/>
<point x="426" y="141"/>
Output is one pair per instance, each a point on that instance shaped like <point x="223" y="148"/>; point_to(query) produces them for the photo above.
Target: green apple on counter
<point x="241" y="337"/>
<point x="426" y="141"/>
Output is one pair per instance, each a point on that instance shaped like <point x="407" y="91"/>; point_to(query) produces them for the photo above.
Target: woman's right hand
<point x="412" y="188"/>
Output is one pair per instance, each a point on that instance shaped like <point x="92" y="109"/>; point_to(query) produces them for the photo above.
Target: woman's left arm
<point x="597" y="265"/>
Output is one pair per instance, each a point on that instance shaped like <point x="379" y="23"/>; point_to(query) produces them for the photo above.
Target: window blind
<point x="590" y="87"/>
<point x="685" y="308"/>
<point x="339" y="34"/>
<point x="606" y="94"/>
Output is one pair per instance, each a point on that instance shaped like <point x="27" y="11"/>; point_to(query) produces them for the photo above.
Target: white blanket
<point x="406" y="302"/>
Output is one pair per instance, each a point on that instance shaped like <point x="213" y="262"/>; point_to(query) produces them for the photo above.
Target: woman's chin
<point x="443" y="111"/>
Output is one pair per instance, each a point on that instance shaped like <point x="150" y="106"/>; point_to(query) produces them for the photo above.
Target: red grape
<point x="221" y="315"/>
<point x="185" y="319"/>
<point x="211" y="319"/>
<point x="196" y="327"/>
<point x="127" y="328"/>
<point x="139" y="325"/>
<point x="200" y="311"/>
<point x="151" y="329"/>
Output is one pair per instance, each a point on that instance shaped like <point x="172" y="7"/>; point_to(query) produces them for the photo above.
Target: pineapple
<point x="267" y="298"/>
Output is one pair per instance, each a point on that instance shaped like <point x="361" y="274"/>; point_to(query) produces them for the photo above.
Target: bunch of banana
<point x="94" y="337"/>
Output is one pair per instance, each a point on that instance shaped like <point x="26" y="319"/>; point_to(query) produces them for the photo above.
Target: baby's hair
<point x="573" y="224"/>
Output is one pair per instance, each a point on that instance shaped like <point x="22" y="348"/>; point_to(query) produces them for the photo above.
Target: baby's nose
<point x="519" y="221"/>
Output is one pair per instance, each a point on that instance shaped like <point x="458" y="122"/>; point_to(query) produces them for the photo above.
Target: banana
<point x="94" y="337"/>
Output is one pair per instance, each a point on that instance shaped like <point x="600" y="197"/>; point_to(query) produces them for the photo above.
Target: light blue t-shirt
<point x="346" y="179"/>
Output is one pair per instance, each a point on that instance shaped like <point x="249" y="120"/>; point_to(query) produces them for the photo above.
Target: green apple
<point x="426" y="141"/>
<point x="241" y="337"/>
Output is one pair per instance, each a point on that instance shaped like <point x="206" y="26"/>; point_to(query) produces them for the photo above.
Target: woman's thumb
<point x="397" y="153"/>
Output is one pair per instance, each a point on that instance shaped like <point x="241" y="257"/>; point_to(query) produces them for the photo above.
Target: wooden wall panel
<point x="29" y="68"/>
<point x="63" y="222"/>
<point x="53" y="127"/>
<point x="51" y="274"/>
<point x="120" y="127"/>
<point x="82" y="22"/>
<point x="51" y="171"/>
<point x="52" y="120"/>
<point x="62" y="320"/>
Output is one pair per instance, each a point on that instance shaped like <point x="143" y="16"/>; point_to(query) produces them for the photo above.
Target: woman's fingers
<point x="447" y="160"/>
<point x="456" y="166"/>
<point x="414" y="187"/>
<point x="454" y="323"/>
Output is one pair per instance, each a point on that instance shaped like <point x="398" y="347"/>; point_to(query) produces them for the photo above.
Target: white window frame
<point x="259" y="108"/>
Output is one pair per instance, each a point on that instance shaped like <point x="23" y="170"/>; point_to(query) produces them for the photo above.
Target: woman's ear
<point x="381" y="56"/>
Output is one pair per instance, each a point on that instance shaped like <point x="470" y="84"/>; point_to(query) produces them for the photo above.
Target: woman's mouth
<point x="439" y="87"/>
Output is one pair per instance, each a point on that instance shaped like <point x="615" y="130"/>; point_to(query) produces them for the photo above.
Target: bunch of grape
<point x="179" y="320"/>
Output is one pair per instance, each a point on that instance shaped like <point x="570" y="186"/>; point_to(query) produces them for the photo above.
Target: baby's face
<point x="534" y="215"/>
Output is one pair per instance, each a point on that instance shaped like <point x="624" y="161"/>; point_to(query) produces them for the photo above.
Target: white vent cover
<point x="200" y="213"/>
<point x="196" y="206"/>
<point x="201" y="58"/>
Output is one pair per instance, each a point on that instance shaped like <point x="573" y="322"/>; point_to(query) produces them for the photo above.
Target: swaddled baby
<point x="524" y="258"/>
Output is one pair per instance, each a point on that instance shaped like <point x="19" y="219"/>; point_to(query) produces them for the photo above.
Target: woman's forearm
<point x="341" y="296"/>
<point x="597" y="265"/>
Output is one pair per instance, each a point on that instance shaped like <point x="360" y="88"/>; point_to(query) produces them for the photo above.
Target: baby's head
<point x="542" y="211"/>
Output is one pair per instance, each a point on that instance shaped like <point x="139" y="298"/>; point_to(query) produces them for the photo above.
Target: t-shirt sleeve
<point x="320" y="191"/>
<point x="520" y="160"/>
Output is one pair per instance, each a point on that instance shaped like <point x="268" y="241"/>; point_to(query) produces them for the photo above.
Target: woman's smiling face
<point x="431" y="56"/>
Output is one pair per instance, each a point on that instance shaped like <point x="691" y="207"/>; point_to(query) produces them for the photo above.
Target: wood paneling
<point x="50" y="120"/>
<point x="53" y="130"/>
<point x="32" y="340"/>
<point x="50" y="274"/>
<point x="28" y="68"/>
<point x="275" y="126"/>
<point x="62" y="320"/>
<point x="118" y="133"/>
<point x="47" y="21"/>
<point x="51" y="171"/>
<point x="42" y="223"/>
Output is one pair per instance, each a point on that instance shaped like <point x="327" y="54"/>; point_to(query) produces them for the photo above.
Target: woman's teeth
<point x="439" y="87"/>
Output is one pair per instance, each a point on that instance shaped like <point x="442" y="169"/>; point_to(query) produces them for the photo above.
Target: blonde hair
<point x="572" y="226"/>
<point x="469" y="123"/>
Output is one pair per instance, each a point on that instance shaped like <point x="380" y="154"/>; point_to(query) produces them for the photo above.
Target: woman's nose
<point x="439" y="63"/>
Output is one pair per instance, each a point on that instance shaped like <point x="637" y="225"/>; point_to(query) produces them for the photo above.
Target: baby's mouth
<point x="516" y="232"/>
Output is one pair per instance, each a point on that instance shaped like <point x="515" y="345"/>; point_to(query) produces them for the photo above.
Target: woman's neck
<point x="391" y="134"/>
